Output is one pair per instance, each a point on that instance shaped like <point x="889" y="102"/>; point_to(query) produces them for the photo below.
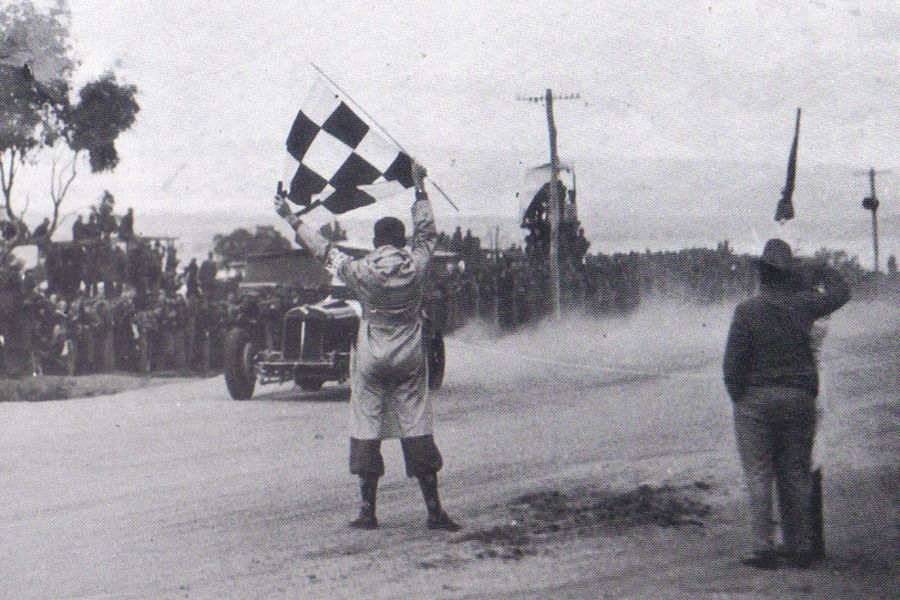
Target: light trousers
<point x="775" y="429"/>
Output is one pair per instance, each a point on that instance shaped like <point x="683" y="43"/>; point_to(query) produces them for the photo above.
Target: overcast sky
<point x="220" y="82"/>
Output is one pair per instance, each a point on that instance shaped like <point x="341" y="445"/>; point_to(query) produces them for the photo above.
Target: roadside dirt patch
<point x="58" y="387"/>
<point x="552" y="516"/>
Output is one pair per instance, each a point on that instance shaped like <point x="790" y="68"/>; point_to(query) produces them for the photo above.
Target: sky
<point x="220" y="81"/>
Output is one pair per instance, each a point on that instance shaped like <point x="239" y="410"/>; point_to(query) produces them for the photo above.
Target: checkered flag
<point x="336" y="160"/>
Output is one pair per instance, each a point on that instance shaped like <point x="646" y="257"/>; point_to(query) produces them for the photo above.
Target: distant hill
<point x="623" y="205"/>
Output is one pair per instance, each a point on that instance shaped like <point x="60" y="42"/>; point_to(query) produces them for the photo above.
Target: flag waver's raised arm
<point x="424" y="237"/>
<point x="306" y="236"/>
<point x="311" y="239"/>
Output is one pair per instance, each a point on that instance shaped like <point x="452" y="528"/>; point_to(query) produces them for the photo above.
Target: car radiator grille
<point x="303" y="339"/>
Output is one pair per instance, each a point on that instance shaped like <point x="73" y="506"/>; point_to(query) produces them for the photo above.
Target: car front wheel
<point x="240" y="374"/>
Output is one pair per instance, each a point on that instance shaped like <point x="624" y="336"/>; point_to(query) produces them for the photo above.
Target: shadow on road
<point x="338" y="393"/>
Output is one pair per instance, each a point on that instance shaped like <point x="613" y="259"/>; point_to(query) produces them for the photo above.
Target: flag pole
<point x="444" y="194"/>
<point x="377" y="124"/>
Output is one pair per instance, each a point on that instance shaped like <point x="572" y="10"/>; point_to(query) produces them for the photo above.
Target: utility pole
<point x="555" y="201"/>
<point x="871" y="204"/>
<point x="554" y="209"/>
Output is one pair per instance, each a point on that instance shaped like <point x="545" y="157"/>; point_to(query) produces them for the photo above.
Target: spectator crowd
<point x="111" y="301"/>
<point x="510" y="288"/>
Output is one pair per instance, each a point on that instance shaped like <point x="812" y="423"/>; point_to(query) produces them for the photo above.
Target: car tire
<point x="240" y="377"/>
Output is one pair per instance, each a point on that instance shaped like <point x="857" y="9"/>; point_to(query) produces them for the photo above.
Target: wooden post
<point x="554" y="209"/>
<point x="874" y="220"/>
<point x="554" y="199"/>
<point x="871" y="204"/>
<point x="497" y="277"/>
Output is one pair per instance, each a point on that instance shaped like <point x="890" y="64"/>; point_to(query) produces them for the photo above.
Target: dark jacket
<point x="769" y="340"/>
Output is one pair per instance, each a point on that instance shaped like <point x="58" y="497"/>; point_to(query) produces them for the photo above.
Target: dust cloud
<point x="659" y="338"/>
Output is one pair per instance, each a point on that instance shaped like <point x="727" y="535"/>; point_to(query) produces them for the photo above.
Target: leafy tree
<point x="105" y="109"/>
<point x="36" y="65"/>
<point x="241" y="243"/>
<point x="39" y="39"/>
<point x="34" y="75"/>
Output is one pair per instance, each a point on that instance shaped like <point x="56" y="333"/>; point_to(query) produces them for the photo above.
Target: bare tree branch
<point x="52" y="177"/>
<point x="3" y="173"/>
<point x="59" y="188"/>
<point x="7" y="178"/>
<point x="6" y="181"/>
<point x="12" y="174"/>
<point x="25" y="208"/>
<point x="65" y="216"/>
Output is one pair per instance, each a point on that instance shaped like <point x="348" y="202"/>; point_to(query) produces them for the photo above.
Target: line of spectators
<point x="112" y="306"/>
<point x="510" y="290"/>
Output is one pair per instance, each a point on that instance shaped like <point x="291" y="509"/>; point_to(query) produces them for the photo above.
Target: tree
<point x="106" y="218"/>
<point x="104" y="110"/>
<point x="241" y="243"/>
<point x="37" y="66"/>
<point x="35" y="109"/>
<point x="333" y="232"/>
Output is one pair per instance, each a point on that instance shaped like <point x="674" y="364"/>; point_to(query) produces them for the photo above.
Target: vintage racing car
<point x="289" y="324"/>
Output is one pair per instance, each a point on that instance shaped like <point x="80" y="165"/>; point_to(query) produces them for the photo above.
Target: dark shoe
<point x="442" y="521"/>
<point x="365" y="520"/>
<point x="788" y="552"/>
<point x="368" y="487"/>
<point x="762" y="560"/>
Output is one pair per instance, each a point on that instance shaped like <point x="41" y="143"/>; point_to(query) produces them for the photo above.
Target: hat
<point x="777" y="254"/>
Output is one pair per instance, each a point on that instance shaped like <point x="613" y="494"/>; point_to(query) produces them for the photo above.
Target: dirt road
<point x="596" y="460"/>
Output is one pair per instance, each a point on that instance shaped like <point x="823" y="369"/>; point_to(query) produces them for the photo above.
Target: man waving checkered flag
<point x="336" y="160"/>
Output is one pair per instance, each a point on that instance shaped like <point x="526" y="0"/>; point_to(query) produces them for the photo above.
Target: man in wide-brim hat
<point x="771" y="375"/>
